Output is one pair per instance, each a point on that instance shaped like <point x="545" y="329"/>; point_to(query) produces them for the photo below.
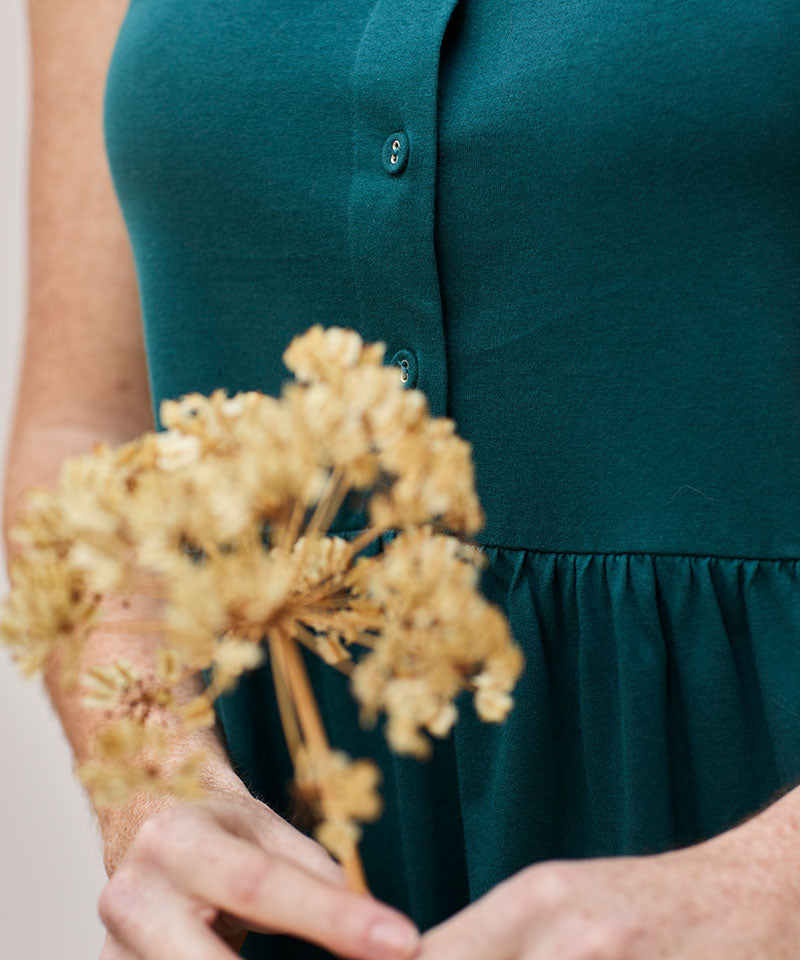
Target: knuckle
<point x="153" y="834"/>
<point x="547" y="885"/>
<point x="160" y="834"/>
<point x="118" y="898"/>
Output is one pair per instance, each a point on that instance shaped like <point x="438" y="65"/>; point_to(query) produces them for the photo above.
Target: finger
<point x="273" y="894"/>
<point x="151" y="920"/>
<point x="113" y="950"/>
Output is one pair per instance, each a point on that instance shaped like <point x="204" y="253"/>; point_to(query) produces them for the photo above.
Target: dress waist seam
<point x="688" y="555"/>
<point x="548" y="551"/>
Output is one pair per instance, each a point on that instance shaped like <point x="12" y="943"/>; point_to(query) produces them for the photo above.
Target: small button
<point x="407" y="361"/>
<point x="395" y="152"/>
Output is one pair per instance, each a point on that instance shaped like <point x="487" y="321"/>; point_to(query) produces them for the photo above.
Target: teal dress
<point x="579" y="224"/>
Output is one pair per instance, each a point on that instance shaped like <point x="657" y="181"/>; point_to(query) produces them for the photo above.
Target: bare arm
<point x="84" y="373"/>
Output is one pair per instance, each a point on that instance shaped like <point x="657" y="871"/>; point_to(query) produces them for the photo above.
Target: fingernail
<point x="394" y="940"/>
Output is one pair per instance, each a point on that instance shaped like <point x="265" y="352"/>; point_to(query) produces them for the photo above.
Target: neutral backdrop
<point x="51" y="868"/>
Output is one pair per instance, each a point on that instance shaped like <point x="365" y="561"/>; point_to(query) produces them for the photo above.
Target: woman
<point x="577" y="229"/>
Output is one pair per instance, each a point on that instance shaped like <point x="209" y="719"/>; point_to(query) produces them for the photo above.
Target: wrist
<point x="118" y="825"/>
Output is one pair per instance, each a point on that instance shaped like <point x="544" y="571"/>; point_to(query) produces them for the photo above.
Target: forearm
<point x="35" y="457"/>
<point x="118" y="825"/>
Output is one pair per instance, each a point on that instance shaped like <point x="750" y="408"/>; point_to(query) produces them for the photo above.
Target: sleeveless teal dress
<point x="579" y="224"/>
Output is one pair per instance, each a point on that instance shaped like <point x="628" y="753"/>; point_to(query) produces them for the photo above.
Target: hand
<point x="198" y="875"/>
<point x="729" y="897"/>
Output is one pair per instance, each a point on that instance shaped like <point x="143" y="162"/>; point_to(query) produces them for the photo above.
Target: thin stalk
<point x="366" y="537"/>
<point x="307" y="638"/>
<point x="315" y="736"/>
<point x="291" y="728"/>
<point x="329" y="503"/>
<point x="354" y="871"/>
<point x="321" y="509"/>
<point x="303" y="695"/>
<point x="333" y="506"/>
<point x="367" y="616"/>
<point x="293" y="528"/>
<point x="213" y="689"/>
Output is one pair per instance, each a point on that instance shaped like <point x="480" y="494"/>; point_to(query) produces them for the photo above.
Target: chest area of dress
<point x="256" y="103"/>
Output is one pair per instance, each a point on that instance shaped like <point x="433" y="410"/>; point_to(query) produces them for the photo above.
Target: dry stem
<point x="331" y="494"/>
<point x="364" y="538"/>
<point x="293" y="527"/>
<point x="290" y="662"/>
<point x="283" y="695"/>
<point x="309" y="640"/>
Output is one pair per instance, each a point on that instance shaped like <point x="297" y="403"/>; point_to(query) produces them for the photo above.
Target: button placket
<point x="392" y="194"/>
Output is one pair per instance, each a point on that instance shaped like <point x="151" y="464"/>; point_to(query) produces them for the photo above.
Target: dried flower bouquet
<point x="223" y="517"/>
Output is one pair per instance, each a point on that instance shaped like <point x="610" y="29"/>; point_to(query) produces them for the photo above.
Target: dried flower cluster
<point x="224" y="517"/>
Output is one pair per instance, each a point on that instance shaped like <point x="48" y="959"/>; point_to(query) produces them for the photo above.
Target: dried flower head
<point x="224" y="517"/>
<point x="342" y="792"/>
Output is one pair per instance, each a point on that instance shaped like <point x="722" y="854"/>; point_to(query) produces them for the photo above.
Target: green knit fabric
<point x="589" y="252"/>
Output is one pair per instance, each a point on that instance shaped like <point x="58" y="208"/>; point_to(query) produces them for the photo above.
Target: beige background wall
<point x="51" y="869"/>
